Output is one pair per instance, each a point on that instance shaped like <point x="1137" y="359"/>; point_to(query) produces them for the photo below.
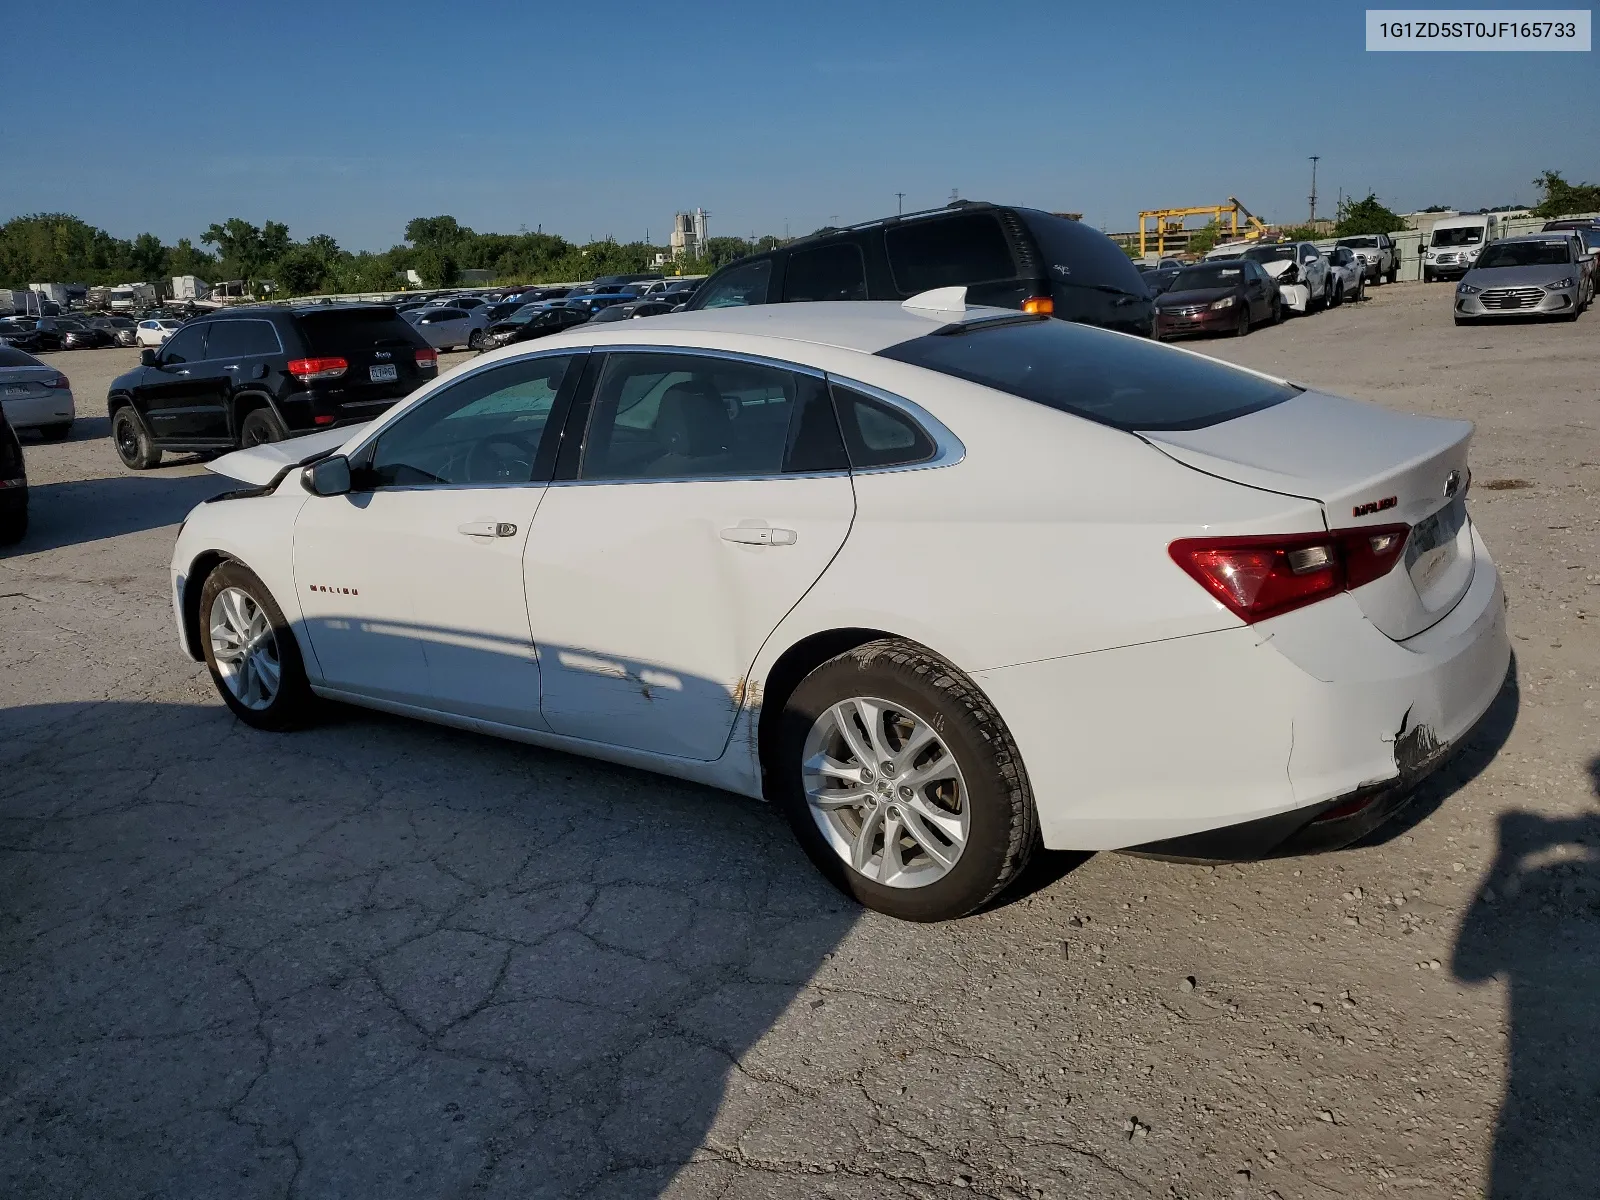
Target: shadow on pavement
<point x="88" y="510"/>
<point x="1535" y="924"/>
<point x="380" y="958"/>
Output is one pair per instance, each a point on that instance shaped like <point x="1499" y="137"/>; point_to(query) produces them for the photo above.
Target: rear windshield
<point x="1554" y="252"/>
<point x="1111" y="378"/>
<point x="345" y="329"/>
<point x="16" y="358"/>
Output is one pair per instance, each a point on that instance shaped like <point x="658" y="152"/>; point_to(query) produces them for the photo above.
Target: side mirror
<point x="327" y="477"/>
<point x="147" y="357"/>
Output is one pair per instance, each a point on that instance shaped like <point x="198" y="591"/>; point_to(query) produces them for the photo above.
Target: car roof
<point x="1538" y="237"/>
<point x="867" y="326"/>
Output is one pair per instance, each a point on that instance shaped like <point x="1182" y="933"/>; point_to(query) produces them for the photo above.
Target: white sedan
<point x="943" y="582"/>
<point x="155" y="331"/>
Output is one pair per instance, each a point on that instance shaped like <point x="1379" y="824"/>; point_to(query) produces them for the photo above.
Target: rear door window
<point x="1128" y="383"/>
<point x="948" y="251"/>
<point x="877" y="435"/>
<point x="241" y="339"/>
<point x="834" y="272"/>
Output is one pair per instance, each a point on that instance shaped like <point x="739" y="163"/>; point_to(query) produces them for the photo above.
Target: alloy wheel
<point x="886" y="792"/>
<point x="245" y="648"/>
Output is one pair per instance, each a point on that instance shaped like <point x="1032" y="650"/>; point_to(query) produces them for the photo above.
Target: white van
<point x="1454" y="243"/>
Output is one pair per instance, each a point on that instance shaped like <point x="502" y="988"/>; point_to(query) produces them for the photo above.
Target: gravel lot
<point x="385" y="959"/>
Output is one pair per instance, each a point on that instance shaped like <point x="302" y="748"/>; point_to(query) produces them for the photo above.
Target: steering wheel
<point x="500" y="459"/>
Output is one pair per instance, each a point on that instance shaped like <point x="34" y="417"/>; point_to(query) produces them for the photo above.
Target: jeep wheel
<point x="133" y="444"/>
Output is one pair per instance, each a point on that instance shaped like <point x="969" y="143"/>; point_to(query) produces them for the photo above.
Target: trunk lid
<point x="1368" y="467"/>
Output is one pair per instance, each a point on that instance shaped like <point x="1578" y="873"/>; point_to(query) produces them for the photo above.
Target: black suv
<point x="1007" y="257"/>
<point x="247" y="376"/>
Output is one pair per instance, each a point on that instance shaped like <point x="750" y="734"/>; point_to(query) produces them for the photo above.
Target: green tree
<point x="1302" y="233"/>
<point x="1367" y="216"/>
<point x="1204" y="239"/>
<point x="1562" y="198"/>
<point x="1437" y="208"/>
<point x="148" y="257"/>
<point x="437" y="268"/>
<point x="184" y="259"/>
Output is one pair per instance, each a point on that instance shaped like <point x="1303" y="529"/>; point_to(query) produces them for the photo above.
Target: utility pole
<point x="899" y="203"/>
<point x="955" y="194"/>
<point x="1314" y="158"/>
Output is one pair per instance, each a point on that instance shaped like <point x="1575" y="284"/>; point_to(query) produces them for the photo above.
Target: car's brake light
<point x="1260" y="577"/>
<point x="317" y="368"/>
<point x="427" y="360"/>
<point x="1039" y="305"/>
<point x="60" y="383"/>
<point x="322" y="419"/>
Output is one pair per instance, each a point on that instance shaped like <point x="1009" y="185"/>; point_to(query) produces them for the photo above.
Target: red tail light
<point x="427" y="360"/>
<point x="60" y="383"/>
<point x="323" y="419"/>
<point x="317" y="368"/>
<point x="1260" y="577"/>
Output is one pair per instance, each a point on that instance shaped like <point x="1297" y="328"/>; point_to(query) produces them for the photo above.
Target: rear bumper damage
<point x="1300" y="733"/>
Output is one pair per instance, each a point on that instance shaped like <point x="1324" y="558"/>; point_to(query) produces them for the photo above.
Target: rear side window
<point x="877" y="435"/>
<point x="1075" y="253"/>
<point x="1120" y="381"/>
<point x="17" y="358"/>
<point x="738" y="286"/>
<point x="835" y="272"/>
<point x="339" y="331"/>
<point x="947" y="251"/>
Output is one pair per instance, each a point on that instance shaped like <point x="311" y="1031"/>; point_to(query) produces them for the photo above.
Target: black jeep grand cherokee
<point x="247" y="376"/>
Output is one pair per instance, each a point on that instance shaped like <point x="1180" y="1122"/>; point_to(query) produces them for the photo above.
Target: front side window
<point x="186" y="346"/>
<point x="834" y="272"/>
<point x="685" y="416"/>
<point x="948" y="251"/>
<point x="487" y="428"/>
<point x="738" y="286"/>
<point x="1124" y="382"/>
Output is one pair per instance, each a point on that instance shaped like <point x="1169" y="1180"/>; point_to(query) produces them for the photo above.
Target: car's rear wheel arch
<point x="245" y="403"/>
<point x="792" y="666"/>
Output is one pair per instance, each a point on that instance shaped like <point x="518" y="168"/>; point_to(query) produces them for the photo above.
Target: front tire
<point x="251" y="652"/>
<point x="1242" y="329"/>
<point x="477" y="340"/>
<point x="133" y="444"/>
<point x="902" y="783"/>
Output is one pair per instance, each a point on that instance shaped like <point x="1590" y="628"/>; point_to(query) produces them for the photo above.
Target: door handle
<point x="487" y="529"/>
<point x="759" y="535"/>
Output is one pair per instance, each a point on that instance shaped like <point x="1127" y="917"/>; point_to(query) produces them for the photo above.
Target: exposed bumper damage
<point x="1330" y="825"/>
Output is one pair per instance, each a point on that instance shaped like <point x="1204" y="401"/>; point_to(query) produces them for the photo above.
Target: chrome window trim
<point x="948" y="449"/>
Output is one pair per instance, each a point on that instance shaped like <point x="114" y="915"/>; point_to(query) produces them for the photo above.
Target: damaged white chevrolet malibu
<point x="943" y="582"/>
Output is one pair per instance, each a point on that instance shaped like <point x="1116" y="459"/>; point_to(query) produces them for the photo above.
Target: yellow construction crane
<point x="1170" y="222"/>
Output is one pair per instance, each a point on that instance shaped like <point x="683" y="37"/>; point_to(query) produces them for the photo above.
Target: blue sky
<point x="348" y="119"/>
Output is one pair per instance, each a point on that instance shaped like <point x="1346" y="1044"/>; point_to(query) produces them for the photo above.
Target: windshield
<point x="1192" y="279"/>
<point x="1555" y="252"/>
<point x="1266" y="254"/>
<point x="1359" y="243"/>
<point x="1125" y="382"/>
<point x="1469" y="235"/>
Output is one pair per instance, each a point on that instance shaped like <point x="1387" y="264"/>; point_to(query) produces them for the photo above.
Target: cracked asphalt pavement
<point x="384" y="959"/>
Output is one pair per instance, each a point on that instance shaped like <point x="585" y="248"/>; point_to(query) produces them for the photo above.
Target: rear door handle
<point x="487" y="529"/>
<point x="759" y="535"/>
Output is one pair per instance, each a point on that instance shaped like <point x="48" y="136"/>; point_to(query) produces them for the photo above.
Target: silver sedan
<point x="1540" y="274"/>
<point x="448" y="327"/>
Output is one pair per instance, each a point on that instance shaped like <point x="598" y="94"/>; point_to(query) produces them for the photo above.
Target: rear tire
<point x="951" y="758"/>
<point x="260" y="675"/>
<point x="1336" y="297"/>
<point x="57" y="432"/>
<point x="133" y="444"/>
<point x="13" y="526"/>
<point x="260" y="426"/>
